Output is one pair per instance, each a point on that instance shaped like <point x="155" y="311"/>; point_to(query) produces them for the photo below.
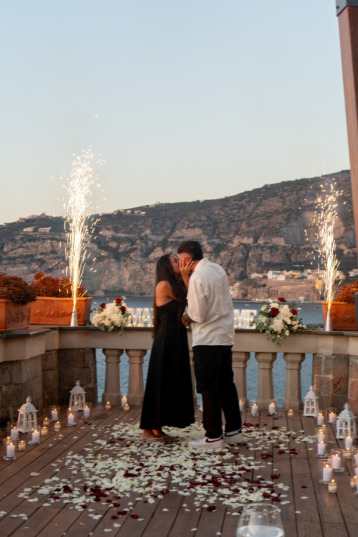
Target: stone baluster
<point x="135" y="381"/>
<point x="112" y="390"/>
<point x="293" y="380"/>
<point x="239" y="364"/>
<point x="265" y="384"/>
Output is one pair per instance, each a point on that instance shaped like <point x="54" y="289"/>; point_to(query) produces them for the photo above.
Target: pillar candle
<point x="272" y="408"/>
<point x="10" y="450"/>
<point x="14" y="433"/>
<point x="86" y="411"/>
<point x="335" y="461"/>
<point x="327" y="473"/>
<point x="348" y="442"/>
<point x="254" y="409"/>
<point x="242" y="405"/>
<point x="35" y="437"/>
<point x="70" y="419"/>
<point x="320" y="419"/>
<point x="332" y="417"/>
<point x="54" y="414"/>
<point x="321" y="448"/>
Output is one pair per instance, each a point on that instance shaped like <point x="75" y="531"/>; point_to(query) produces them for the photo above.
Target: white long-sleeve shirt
<point x="210" y="305"/>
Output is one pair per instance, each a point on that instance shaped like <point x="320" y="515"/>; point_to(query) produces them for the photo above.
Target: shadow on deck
<point x="99" y="478"/>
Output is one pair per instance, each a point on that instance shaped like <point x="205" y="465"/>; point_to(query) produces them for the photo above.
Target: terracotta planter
<point x="13" y="316"/>
<point x="343" y="316"/>
<point x="58" y="311"/>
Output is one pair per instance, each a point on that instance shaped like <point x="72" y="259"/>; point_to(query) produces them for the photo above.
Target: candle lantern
<point x="77" y="397"/>
<point x="346" y="424"/>
<point x="27" y="418"/>
<point x="311" y="404"/>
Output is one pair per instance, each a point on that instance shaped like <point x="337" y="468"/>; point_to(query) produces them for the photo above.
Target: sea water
<point x="310" y="313"/>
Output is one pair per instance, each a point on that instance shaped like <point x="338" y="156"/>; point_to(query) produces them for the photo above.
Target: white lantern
<point x="77" y="397"/>
<point x="27" y="418"/>
<point x="311" y="404"/>
<point x="346" y="424"/>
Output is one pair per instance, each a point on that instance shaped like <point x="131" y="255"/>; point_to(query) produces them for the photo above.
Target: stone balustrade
<point x="46" y="363"/>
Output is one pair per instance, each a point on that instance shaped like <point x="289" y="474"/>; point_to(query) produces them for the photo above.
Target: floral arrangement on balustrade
<point x="278" y="320"/>
<point x="46" y="285"/>
<point x="113" y="316"/>
<point x="16" y="289"/>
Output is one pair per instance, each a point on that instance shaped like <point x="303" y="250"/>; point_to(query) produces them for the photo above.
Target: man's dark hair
<point x="192" y="248"/>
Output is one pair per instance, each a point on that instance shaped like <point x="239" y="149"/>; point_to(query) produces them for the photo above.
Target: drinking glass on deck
<point x="260" y="520"/>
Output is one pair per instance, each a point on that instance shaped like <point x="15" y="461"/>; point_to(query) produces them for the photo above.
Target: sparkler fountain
<point x="78" y="222"/>
<point x="325" y="219"/>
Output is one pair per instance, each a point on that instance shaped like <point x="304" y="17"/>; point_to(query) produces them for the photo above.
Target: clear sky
<point x="184" y="99"/>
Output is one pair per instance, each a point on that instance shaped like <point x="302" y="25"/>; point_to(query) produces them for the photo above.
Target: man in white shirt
<point x="211" y="316"/>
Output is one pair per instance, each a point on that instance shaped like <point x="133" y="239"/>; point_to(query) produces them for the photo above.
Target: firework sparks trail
<point x="78" y="222"/>
<point x="326" y="216"/>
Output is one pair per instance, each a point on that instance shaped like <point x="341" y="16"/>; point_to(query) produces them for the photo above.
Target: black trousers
<point x="215" y="383"/>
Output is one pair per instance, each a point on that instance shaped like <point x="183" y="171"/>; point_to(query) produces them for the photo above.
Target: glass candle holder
<point x="337" y="460"/>
<point x="272" y="408"/>
<point x="242" y="405"/>
<point x="108" y="405"/>
<point x="9" y="449"/>
<point x="21" y="445"/>
<point x="320" y="418"/>
<point x="348" y="442"/>
<point x="290" y="413"/>
<point x="35" y="436"/>
<point x="331" y="415"/>
<point x="57" y="426"/>
<point x="54" y="413"/>
<point x="355" y="456"/>
<point x="86" y="411"/>
<point x="254" y="409"/>
<point x="353" y="481"/>
<point x="332" y="486"/>
<point x="321" y="449"/>
<point x="321" y="434"/>
<point x="325" y="472"/>
<point x="46" y="422"/>
<point x="14" y="432"/>
<point x="44" y="430"/>
<point x="71" y="417"/>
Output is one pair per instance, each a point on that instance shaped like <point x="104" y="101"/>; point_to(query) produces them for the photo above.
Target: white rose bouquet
<point x="112" y="316"/>
<point x="278" y="320"/>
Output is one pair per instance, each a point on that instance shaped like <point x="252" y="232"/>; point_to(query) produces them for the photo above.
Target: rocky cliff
<point x="250" y="232"/>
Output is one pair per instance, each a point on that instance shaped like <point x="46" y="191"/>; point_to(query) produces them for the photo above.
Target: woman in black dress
<point x="168" y="397"/>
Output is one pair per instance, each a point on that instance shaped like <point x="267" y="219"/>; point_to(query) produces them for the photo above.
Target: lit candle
<point x="290" y="413"/>
<point x="14" y="433"/>
<point x="124" y="401"/>
<point x="272" y="408"/>
<point x="356" y="458"/>
<point x="35" y="438"/>
<point x="348" y="442"/>
<point x="347" y="453"/>
<point x="332" y="486"/>
<point x="54" y="414"/>
<point x="321" y="448"/>
<point x="320" y="418"/>
<point x="242" y="405"/>
<point x="332" y="417"/>
<point x="327" y="473"/>
<point x="108" y="405"/>
<point x="335" y="461"/>
<point x="86" y="411"/>
<point x="57" y="426"/>
<point x="70" y="419"/>
<point x="254" y="409"/>
<point x="321" y="435"/>
<point x="353" y="481"/>
<point x="44" y="431"/>
<point x="126" y="406"/>
<point x="46" y="422"/>
<point x="21" y="445"/>
<point x="10" y="450"/>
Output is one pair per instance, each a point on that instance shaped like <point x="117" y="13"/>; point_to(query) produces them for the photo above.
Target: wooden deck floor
<point x="100" y="478"/>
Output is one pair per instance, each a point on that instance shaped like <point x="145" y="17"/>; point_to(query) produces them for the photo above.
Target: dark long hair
<point x="164" y="272"/>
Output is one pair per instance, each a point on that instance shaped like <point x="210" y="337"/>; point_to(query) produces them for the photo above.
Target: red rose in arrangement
<point x="294" y="311"/>
<point x="103" y="305"/>
<point x="123" y="309"/>
<point x="118" y="300"/>
<point x="274" y="311"/>
<point x="281" y="299"/>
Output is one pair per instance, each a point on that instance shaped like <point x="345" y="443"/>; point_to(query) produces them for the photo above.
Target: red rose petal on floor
<point x="275" y="476"/>
<point x="124" y="512"/>
<point x="211" y="508"/>
<point x="134" y="516"/>
<point x="114" y="517"/>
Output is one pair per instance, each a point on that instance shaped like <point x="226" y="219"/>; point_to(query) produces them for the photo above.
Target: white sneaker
<point x="207" y="443"/>
<point x="234" y="437"/>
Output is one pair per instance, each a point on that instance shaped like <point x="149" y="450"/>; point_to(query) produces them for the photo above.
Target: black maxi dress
<point x="168" y="397"/>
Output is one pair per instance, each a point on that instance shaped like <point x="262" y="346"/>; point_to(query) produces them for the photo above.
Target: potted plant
<point x="54" y="301"/>
<point x="15" y="298"/>
<point x="343" y="313"/>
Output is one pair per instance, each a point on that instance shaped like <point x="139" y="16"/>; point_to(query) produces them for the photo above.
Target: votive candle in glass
<point x="70" y="417"/>
<point x="46" y="422"/>
<point x="57" y="426"/>
<point x="86" y="411"/>
<point x="348" y="442"/>
<point x="44" y="430"/>
<point x="14" y="432"/>
<point x="54" y="413"/>
<point x="272" y="408"/>
<point x="290" y="413"/>
<point x="10" y="450"/>
<point x="332" y="486"/>
<point x="21" y="445"/>
<point x="242" y="405"/>
<point x="326" y="473"/>
<point x="320" y="418"/>
<point x="353" y="481"/>
<point x="254" y="409"/>
<point x="108" y="405"/>
<point x="332" y="417"/>
<point x="35" y="436"/>
<point x="321" y="449"/>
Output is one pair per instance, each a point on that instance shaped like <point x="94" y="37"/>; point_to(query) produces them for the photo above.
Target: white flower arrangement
<point x="278" y="320"/>
<point x="112" y="316"/>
